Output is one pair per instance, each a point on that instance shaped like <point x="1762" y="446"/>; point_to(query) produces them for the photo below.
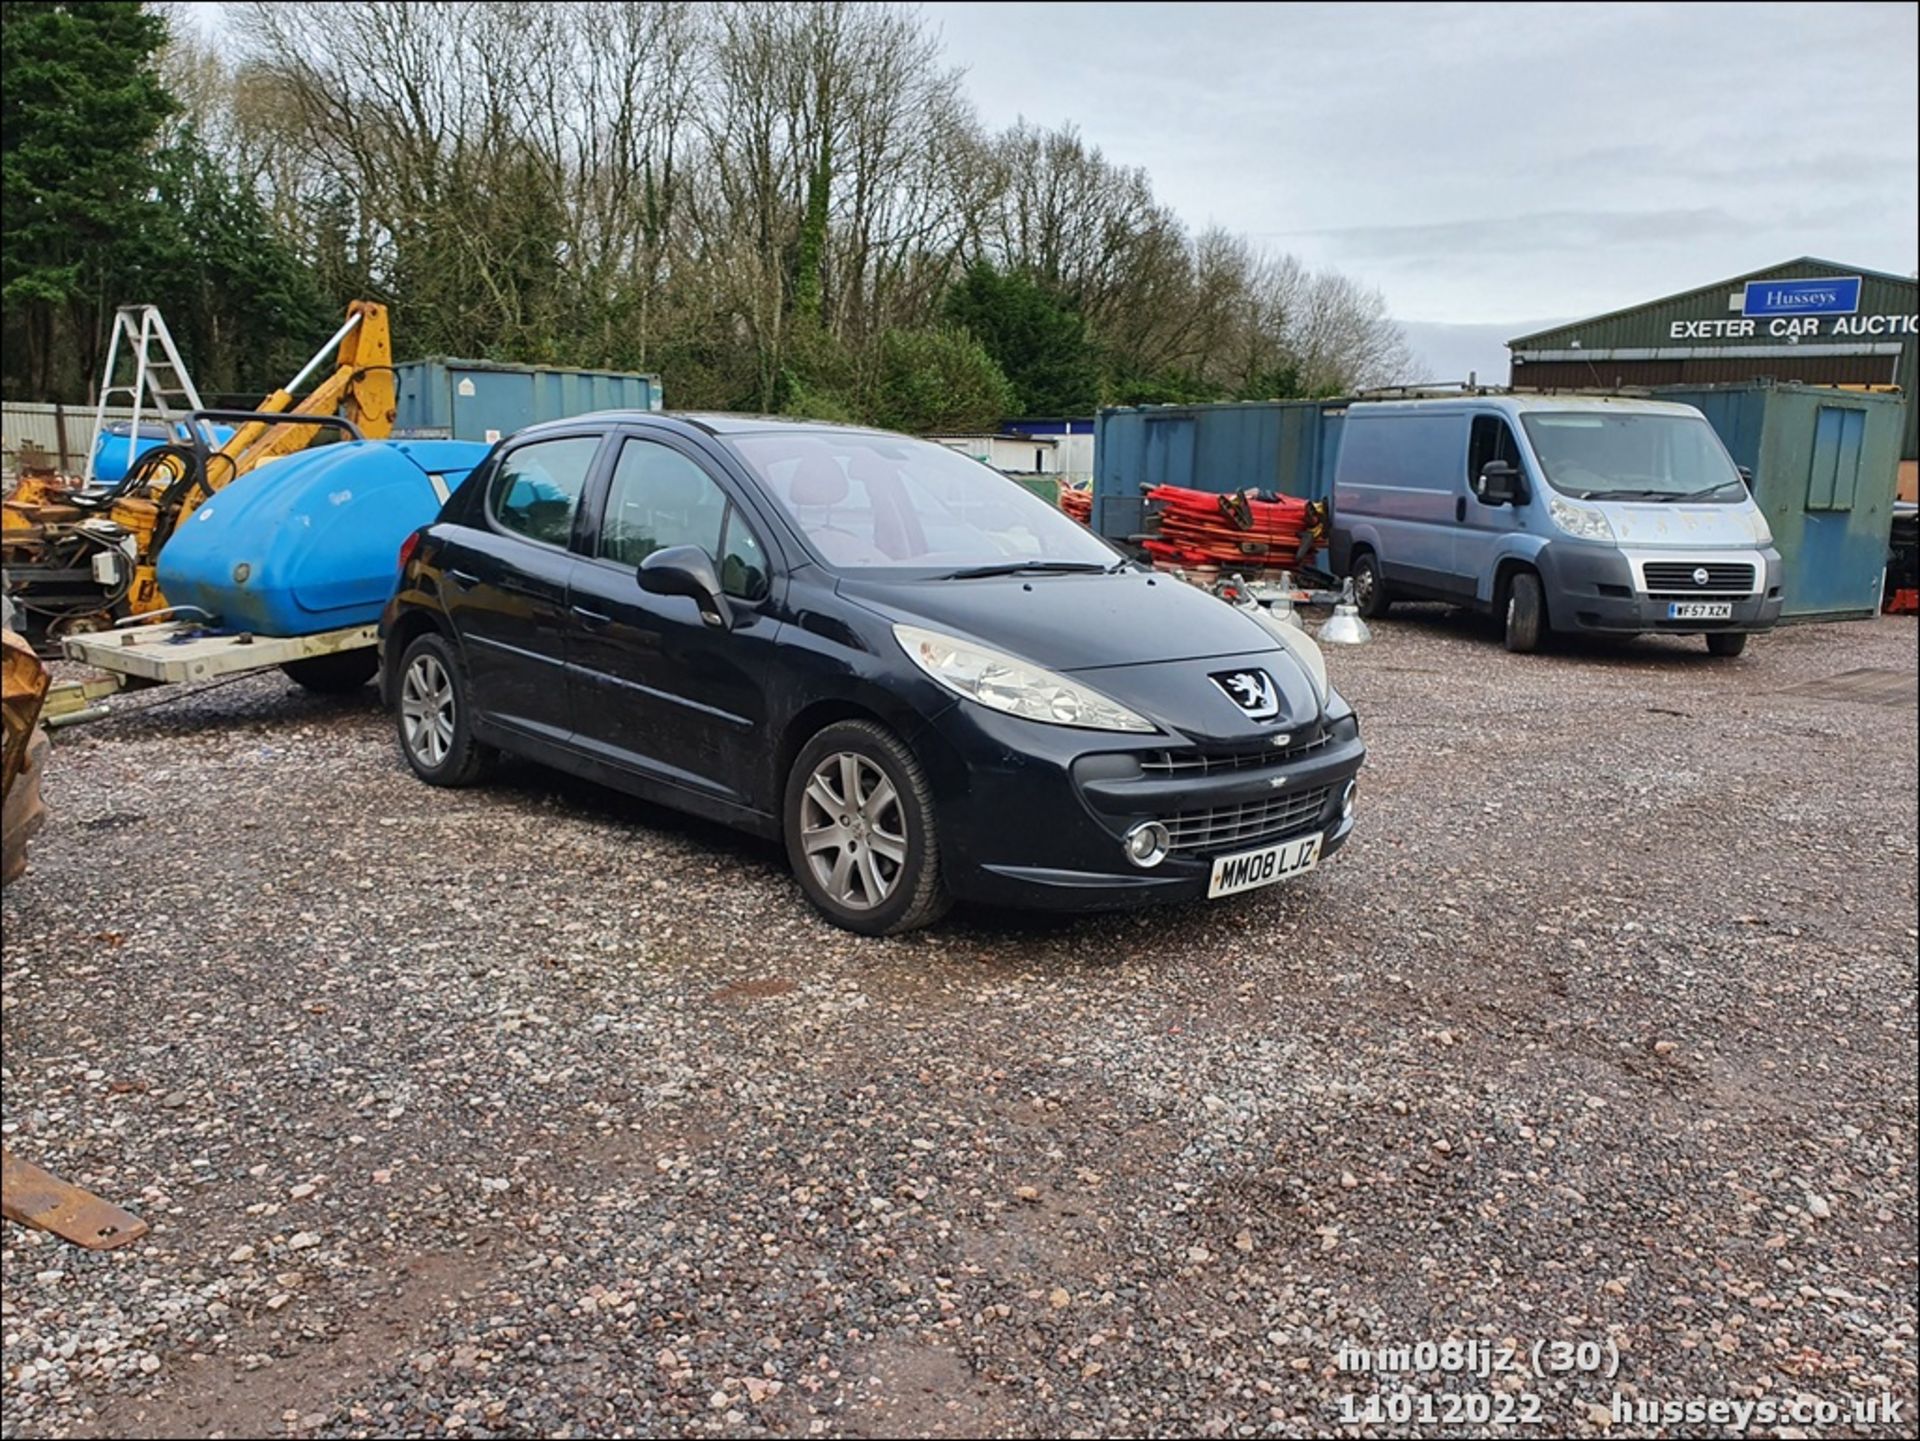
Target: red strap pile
<point x="1200" y="528"/>
<point x="1077" y="501"/>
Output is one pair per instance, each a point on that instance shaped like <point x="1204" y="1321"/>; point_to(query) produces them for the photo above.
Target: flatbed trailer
<point x="175" y="652"/>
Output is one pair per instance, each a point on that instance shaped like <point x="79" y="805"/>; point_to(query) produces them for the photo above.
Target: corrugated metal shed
<point x="1638" y="345"/>
<point x="1281" y="445"/>
<point x="30" y="423"/>
<point x="1824" y="463"/>
<point x="485" y="400"/>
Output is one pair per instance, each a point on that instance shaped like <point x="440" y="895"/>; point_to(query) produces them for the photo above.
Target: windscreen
<point x="869" y="502"/>
<point x="1624" y="455"/>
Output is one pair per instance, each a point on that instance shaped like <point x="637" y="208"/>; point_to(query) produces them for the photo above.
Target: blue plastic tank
<point x="110" y="461"/>
<point x="311" y="543"/>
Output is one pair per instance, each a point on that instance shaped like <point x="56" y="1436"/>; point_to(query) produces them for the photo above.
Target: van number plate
<point x="1251" y="869"/>
<point x="1700" y="610"/>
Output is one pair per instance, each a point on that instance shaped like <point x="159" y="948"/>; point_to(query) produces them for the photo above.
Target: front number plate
<point x="1700" y="610"/>
<point x="1251" y="869"/>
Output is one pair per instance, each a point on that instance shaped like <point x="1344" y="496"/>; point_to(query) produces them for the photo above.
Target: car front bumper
<point x="1595" y="588"/>
<point x="1033" y="815"/>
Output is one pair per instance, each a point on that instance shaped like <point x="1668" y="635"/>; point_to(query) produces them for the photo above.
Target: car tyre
<point x="1727" y="643"/>
<point x="433" y="711"/>
<point x="340" y="673"/>
<point x="1526" y="613"/>
<point x="860" y="831"/>
<point x="1370" y="593"/>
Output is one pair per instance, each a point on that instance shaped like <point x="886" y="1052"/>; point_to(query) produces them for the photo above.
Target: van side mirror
<point x="687" y="570"/>
<point x="1498" y="483"/>
<point x="1746" y="476"/>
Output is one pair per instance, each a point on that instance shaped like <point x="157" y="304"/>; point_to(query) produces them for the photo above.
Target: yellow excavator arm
<point x="360" y="387"/>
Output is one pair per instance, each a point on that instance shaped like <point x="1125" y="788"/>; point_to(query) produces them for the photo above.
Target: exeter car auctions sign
<point x="1837" y="296"/>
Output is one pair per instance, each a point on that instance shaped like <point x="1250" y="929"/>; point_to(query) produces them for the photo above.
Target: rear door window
<point x="537" y="488"/>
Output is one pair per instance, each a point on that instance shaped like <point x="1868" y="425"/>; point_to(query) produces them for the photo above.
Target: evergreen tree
<point x="1036" y="338"/>
<point x="79" y="111"/>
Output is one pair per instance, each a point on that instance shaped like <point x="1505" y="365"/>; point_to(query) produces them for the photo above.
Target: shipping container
<point x="1825" y="465"/>
<point x="484" y="400"/>
<point x="1286" y="446"/>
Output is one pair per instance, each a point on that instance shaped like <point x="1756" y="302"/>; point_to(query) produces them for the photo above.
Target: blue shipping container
<point x="1825" y="464"/>
<point x="1288" y="446"/>
<point x="483" y="400"/>
<point x="311" y="543"/>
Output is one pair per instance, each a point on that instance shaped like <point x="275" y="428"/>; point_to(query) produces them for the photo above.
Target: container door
<point x="659" y="690"/>
<point x="1833" y="571"/>
<point x="489" y="405"/>
<point x="507" y="585"/>
<point x="1170" y="451"/>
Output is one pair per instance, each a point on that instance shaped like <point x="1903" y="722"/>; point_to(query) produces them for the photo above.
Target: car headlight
<point x="1304" y="649"/>
<point x="1762" y="532"/>
<point x="1007" y="683"/>
<point x="1582" y="522"/>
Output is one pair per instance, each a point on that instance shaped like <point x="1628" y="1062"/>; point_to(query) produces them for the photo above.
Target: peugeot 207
<point x="927" y="682"/>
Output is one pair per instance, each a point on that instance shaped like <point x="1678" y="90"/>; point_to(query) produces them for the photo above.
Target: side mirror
<point x="687" y="570"/>
<point x="1497" y="484"/>
<point x="1746" y="476"/>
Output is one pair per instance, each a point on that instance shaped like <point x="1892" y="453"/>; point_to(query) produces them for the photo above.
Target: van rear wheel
<point x="1370" y="596"/>
<point x="1726" y="643"/>
<point x="1526" y="613"/>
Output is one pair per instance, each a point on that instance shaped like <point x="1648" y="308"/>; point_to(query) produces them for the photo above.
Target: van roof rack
<point x="1426" y="389"/>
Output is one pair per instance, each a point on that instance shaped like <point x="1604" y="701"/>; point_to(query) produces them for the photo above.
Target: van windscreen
<point x="1627" y="455"/>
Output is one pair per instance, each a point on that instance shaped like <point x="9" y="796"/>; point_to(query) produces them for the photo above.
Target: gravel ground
<point x="532" y="1109"/>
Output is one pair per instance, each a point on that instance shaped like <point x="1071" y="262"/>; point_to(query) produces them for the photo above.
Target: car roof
<point x="705" y="422"/>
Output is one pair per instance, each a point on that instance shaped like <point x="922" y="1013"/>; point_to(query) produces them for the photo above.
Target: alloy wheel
<point x="853" y="830"/>
<point x="426" y="710"/>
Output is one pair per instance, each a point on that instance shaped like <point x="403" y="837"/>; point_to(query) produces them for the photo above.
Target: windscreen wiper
<point x="1710" y="490"/>
<point x="1028" y="567"/>
<point x="1627" y="495"/>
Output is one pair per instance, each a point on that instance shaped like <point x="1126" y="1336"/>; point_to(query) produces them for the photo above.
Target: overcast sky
<point x="1488" y="167"/>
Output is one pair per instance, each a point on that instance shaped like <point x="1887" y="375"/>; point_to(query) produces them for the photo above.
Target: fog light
<point x="1146" y="844"/>
<point x="1346" y="801"/>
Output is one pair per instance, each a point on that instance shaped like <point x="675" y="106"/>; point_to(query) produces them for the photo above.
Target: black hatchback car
<point x="928" y="682"/>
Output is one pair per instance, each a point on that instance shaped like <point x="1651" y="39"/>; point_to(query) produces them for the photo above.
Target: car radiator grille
<point x="1251" y="823"/>
<point x="1159" y="765"/>
<point x="1676" y="576"/>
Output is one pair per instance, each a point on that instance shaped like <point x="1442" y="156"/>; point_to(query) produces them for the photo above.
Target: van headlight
<point x="1007" y="683"/>
<point x="1762" y="532"/>
<point x="1582" y="522"/>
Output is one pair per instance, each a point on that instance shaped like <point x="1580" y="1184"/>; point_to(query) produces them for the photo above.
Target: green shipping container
<point x="485" y="400"/>
<point x="1825" y="463"/>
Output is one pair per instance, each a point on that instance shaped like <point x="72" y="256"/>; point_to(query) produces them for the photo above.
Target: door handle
<point x="591" y="619"/>
<point x="1459" y="507"/>
<point x="466" y="580"/>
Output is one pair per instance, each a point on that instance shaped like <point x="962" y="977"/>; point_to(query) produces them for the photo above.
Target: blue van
<point x="1557" y="513"/>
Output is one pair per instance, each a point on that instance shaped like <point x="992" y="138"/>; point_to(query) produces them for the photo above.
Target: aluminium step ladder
<point x="160" y="378"/>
